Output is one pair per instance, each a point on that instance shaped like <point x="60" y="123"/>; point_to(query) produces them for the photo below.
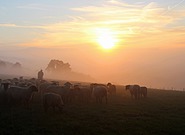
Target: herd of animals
<point x="19" y="91"/>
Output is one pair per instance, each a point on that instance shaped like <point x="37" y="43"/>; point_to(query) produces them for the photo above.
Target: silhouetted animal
<point x="52" y="100"/>
<point x="66" y="92"/>
<point x="134" y="90"/>
<point x="143" y="91"/>
<point x="111" y="88"/>
<point x="21" y="95"/>
<point x="85" y="94"/>
<point x="5" y="85"/>
<point x="99" y="92"/>
<point x="68" y="84"/>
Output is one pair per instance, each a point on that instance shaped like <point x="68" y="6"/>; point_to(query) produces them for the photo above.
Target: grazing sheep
<point x="43" y="85"/>
<point x="134" y="90"/>
<point x="2" y="95"/>
<point x="3" y="88"/>
<point x="5" y="85"/>
<point x="52" y="100"/>
<point x="72" y="93"/>
<point x="55" y="83"/>
<point x="143" y="92"/>
<point x="68" y="85"/>
<point x="111" y="88"/>
<point x="78" y="93"/>
<point x="63" y="91"/>
<point x="21" y="94"/>
<point x="85" y="94"/>
<point x="99" y="92"/>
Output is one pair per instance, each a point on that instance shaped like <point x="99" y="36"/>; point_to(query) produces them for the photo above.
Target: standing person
<point x="40" y="75"/>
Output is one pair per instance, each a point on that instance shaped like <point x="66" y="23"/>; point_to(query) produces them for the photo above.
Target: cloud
<point x="34" y="7"/>
<point x="176" y="5"/>
<point x="128" y="22"/>
<point x="7" y="25"/>
<point x="22" y="26"/>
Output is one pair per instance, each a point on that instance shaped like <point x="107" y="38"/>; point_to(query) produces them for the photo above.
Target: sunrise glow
<point x="105" y="38"/>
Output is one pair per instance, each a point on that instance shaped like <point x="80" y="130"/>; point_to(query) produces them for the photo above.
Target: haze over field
<point x="123" y="41"/>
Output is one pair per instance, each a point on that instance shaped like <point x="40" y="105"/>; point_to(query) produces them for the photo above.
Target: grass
<point x="162" y="113"/>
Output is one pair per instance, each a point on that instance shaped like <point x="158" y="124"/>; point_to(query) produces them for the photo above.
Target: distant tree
<point x="17" y="65"/>
<point x="2" y="64"/>
<point x="56" y="66"/>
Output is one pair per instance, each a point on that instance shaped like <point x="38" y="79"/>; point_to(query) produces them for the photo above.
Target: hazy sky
<point x="148" y="38"/>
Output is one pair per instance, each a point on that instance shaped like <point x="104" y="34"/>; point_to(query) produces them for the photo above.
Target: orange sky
<point x="147" y="39"/>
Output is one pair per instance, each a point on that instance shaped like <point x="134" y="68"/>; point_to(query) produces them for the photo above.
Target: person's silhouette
<point x="40" y="75"/>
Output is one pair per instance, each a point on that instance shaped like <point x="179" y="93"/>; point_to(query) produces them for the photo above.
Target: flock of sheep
<point x="52" y="94"/>
<point x="137" y="91"/>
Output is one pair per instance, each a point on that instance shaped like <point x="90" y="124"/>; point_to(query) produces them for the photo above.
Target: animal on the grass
<point x="21" y="95"/>
<point x="111" y="88"/>
<point x="134" y="90"/>
<point x="143" y="91"/>
<point x="99" y="92"/>
<point x="52" y="100"/>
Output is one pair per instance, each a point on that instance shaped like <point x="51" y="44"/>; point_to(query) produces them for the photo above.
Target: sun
<point x="106" y="38"/>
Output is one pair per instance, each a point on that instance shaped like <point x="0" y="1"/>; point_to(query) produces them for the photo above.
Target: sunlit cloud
<point x="128" y="22"/>
<point x="7" y="25"/>
<point x="22" y="26"/>
<point x="176" y="5"/>
<point x="76" y="34"/>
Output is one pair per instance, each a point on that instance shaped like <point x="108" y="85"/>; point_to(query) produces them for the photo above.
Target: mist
<point x="151" y="67"/>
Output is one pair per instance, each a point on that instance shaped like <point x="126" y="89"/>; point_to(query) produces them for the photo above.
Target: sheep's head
<point x="68" y="84"/>
<point x="127" y="87"/>
<point x="33" y="88"/>
<point x="109" y="84"/>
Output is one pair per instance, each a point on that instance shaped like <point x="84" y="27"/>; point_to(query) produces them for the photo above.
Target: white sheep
<point x="52" y="100"/>
<point x="99" y="91"/>
<point x="21" y="94"/>
<point x="63" y="91"/>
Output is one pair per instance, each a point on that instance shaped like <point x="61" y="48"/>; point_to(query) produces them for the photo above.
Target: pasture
<point x="162" y="113"/>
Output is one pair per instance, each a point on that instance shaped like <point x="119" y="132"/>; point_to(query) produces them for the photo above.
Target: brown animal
<point x="21" y="95"/>
<point x="143" y="92"/>
<point x="111" y="88"/>
<point x="52" y="100"/>
<point x="99" y="92"/>
<point x="134" y="90"/>
<point x="63" y="91"/>
<point x="5" y="85"/>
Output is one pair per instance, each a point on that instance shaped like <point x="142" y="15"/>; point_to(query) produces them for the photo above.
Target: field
<point x="162" y="113"/>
